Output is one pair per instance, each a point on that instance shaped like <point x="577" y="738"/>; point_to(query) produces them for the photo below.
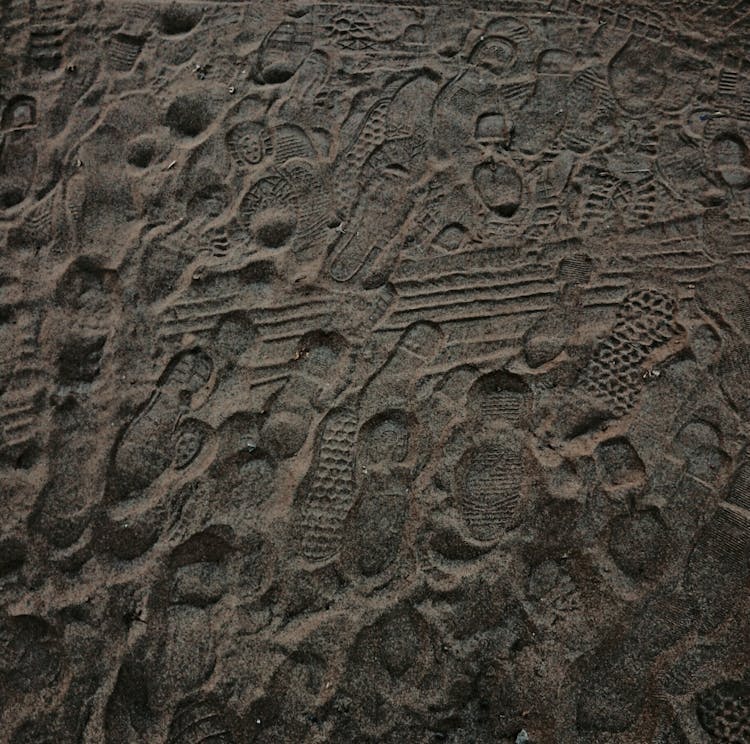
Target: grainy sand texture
<point x="374" y="372"/>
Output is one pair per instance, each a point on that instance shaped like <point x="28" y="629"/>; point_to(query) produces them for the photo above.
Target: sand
<point x="374" y="372"/>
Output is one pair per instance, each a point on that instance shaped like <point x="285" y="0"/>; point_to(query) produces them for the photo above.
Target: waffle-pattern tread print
<point x="724" y="712"/>
<point x="374" y="371"/>
<point x="646" y="320"/>
<point x="330" y="495"/>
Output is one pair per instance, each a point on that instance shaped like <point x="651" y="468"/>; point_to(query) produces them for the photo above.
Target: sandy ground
<point x="374" y="372"/>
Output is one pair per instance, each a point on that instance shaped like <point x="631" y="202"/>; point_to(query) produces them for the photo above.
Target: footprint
<point x="311" y="200"/>
<point x="386" y="440"/>
<point x="197" y="579"/>
<point x="375" y="526"/>
<point x="499" y="186"/>
<point x="317" y="374"/>
<point x="715" y="576"/>
<point x="699" y="444"/>
<point x="188" y="650"/>
<point x="591" y="112"/>
<point x="730" y="158"/>
<point x="19" y="113"/>
<point x="18" y="156"/>
<point x="327" y="492"/>
<point x="249" y="142"/>
<point x="739" y="490"/>
<point x="270" y="195"/>
<point x="123" y="50"/>
<point x="403" y="638"/>
<point x="294" y="686"/>
<point x="282" y="51"/>
<point x="100" y="194"/>
<point x="308" y="102"/>
<point x="146" y="449"/>
<point x="638" y="544"/>
<point x="188" y="115"/>
<point x="718" y="569"/>
<point x="542" y="117"/>
<point x="390" y="659"/>
<point x="636" y="75"/>
<point x="488" y="483"/>
<point x="129" y="713"/>
<point x="392" y="386"/>
<point x="199" y="719"/>
<point x="724" y="711"/>
<point x="727" y="299"/>
<point x="131" y="527"/>
<point x="365" y="137"/>
<point x="64" y="505"/>
<point x="177" y="19"/>
<point x="199" y="568"/>
<point x="733" y="370"/>
<point x="646" y="322"/>
<point x="694" y="666"/>
<point x="287" y="207"/>
<point x="188" y="441"/>
<point x="611" y="697"/>
<point x="620" y="466"/>
<point x="547" y="337"/>
<point x="32" y="658"/>
<point x="483" y="456"/>
<point x="499" y="398"/>
<point x="390" y="171"/>
<point x="49" y="28"/>
<point x="613" y="691"/>
<point x="291" y="141"/>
